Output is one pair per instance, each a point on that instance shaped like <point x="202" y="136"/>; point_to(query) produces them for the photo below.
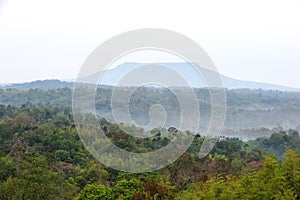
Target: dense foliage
<point x="42" y="157"/>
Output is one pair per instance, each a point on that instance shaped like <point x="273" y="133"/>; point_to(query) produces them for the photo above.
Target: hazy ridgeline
<point x="249" y="113"/>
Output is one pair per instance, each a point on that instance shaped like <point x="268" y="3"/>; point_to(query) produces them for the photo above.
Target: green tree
<point x="95" y="192"/>
<point x="7" y="168"/>
<point x="126" y="189"/>
<point x="291" y="170"/>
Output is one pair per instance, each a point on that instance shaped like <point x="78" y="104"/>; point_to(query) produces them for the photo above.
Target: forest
<point x="250" y="113"/>
<point x="42" y="157"/>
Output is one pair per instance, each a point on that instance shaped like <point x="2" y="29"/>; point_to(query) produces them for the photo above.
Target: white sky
<point x="256" y="40"/>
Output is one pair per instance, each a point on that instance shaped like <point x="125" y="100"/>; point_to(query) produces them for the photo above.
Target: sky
<point x="255" y="40"/>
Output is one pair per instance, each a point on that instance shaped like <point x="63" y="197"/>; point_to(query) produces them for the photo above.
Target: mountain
<point x="40" y="84"/>
<point x="112" y="76"/>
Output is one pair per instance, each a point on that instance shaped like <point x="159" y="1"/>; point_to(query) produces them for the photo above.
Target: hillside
<point x="250" y="113"/>
<point x="42" y="157"/>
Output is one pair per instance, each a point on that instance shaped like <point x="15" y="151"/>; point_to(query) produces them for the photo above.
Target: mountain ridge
<point x="111" y="76"/>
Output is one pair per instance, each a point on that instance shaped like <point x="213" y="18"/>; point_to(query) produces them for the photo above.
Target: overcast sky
<point x="256" y="40"/>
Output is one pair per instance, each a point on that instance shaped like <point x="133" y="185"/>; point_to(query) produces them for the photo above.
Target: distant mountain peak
<point x="188" y="72"/>
<point x="112" y="76"/>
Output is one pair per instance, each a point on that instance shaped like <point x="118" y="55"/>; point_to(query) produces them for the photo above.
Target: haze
<point x="249" y="40"/>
